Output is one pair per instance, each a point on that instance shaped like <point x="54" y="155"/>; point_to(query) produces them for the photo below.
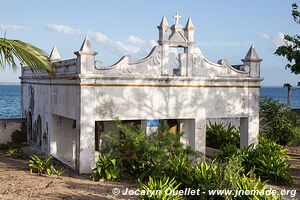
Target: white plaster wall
<point x="49" y="99"/>
<point x="65" y="101"/>
<point x="169" y="102"/>
<point x="63" y="141"/>
<point x="7" y="128"/>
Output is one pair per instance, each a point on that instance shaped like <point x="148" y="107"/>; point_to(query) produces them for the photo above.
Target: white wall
<point x="63" y="140"/>
<point x="8" y="127"/>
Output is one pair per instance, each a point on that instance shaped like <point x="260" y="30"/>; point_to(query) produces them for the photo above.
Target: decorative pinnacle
<point x="54" y="55"/>
<point x="164" y="22"/>
<point x="252" y="55"/>
<point x="86" y="48"/>
<point x="86" y="45"/>
<point x="177" y="17"/>
<point x="189" y="24"/>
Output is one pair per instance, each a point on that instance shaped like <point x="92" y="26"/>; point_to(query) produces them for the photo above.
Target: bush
<point x="212" y="175"/>
<point x="141" y="155"/>
<point x="268" y="160"/>
<point x="227" y="152"/>
<point x="250" y="183"/>
<point x="166" y="189"/>
<point x="271" y="161"/>
<point x="219" y="135"/>
<point x="43" y="166"/>
<point x="277" y="121"/>
<point x="106" y="168"/>
<point x="180" y="167"/>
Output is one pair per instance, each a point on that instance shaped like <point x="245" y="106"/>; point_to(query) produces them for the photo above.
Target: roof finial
<point x="164" y="22"/>
<point x="54" y="55"/>
<point x="86" y="45"/>
<point x="189" y="24"/>
<point x="177" y="17"/>
<point x="251" y="55"/>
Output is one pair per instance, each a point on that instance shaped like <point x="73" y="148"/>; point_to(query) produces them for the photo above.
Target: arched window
<point x="39" y="132"/>
<point x="29" y="127"/>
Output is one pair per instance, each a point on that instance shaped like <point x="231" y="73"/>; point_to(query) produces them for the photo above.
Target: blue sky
<point x="224" y="29"/>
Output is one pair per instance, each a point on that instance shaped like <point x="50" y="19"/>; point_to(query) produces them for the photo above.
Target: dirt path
<point x="17" y="183"/>
<point x="294" y="161"/>
<point x="295" y="166"/>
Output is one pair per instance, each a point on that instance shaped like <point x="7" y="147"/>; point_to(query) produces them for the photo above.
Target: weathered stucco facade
<point x="67" y="112"/>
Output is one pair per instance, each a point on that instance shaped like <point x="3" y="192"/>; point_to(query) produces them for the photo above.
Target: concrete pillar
<point x="249" y="131"/>
<point x="187" y="127"/>
<point x="250" y="125"/>
<point x="87" y="131"/>
<point x="86" y="58"/>
<point x="190" y="62"/>
<point x="166" y="69"/>
<point x="183" y="64"/>
<point x="200" y="135"/>
<point x="195" y="133"/>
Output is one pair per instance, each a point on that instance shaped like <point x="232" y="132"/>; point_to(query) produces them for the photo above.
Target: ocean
<point x="10" y="98"/>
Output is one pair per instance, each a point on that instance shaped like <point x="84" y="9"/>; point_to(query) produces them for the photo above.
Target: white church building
<point x="69" y="112"/>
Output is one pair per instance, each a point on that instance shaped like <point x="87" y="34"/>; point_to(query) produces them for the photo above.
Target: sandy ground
<point x="17" y="183"/>
<point x="295" y="166"/>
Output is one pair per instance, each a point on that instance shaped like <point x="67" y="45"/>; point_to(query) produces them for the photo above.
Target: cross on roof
<point x="177" y="17"/>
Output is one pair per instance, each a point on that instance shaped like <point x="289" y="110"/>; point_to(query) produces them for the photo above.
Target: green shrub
<point x="106" y="168"/>
<point x="267" y="160"/>
<point x="278" y="121"/>
<point x="296" y="137"/>
<point x="212" y="175"/>
<point x="58" y="172"/>
<point x="141" y="155"/>
<point x="43" y="166"/>
<point x="12" y="149"/>
<point x="227" y="152"/>
<point x="179" y="167"/>
<point x="166" y="189"/>
<point x="251" y="183"/>
<point x="219" y="135"/>
<point x="271" y="161"/>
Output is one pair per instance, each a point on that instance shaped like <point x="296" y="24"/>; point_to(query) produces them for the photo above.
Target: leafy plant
<point x="267" y="160"/>
<point x="12" y="149"/>
<point x="227" y="152"/>
<point x="250" y="183"/>
<point x="35" y="58"/>
<point x="15" y="152"/>
<point x="166" y="188"/>
<point x="58" y="172"/>
<point x="212" y="175"/>
<point x="271" y="161"/>
<point x="42" y="166"/>
<point x="219" y="135"/>
<point x="106" y="168"/>
<point x="141" y="155"/>
<point x="179" y="167"/>
<point x="277" y="121"/>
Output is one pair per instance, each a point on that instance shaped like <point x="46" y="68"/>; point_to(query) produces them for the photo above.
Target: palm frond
<point x="33" y="57"/>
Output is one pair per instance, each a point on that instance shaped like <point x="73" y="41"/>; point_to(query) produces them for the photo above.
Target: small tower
<point x="253" y="61"/>
<point x="163" y="30"/>
<point x="189" y="31"/>
<point x="86" y="58"/>
<point x="54" y="55"/>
